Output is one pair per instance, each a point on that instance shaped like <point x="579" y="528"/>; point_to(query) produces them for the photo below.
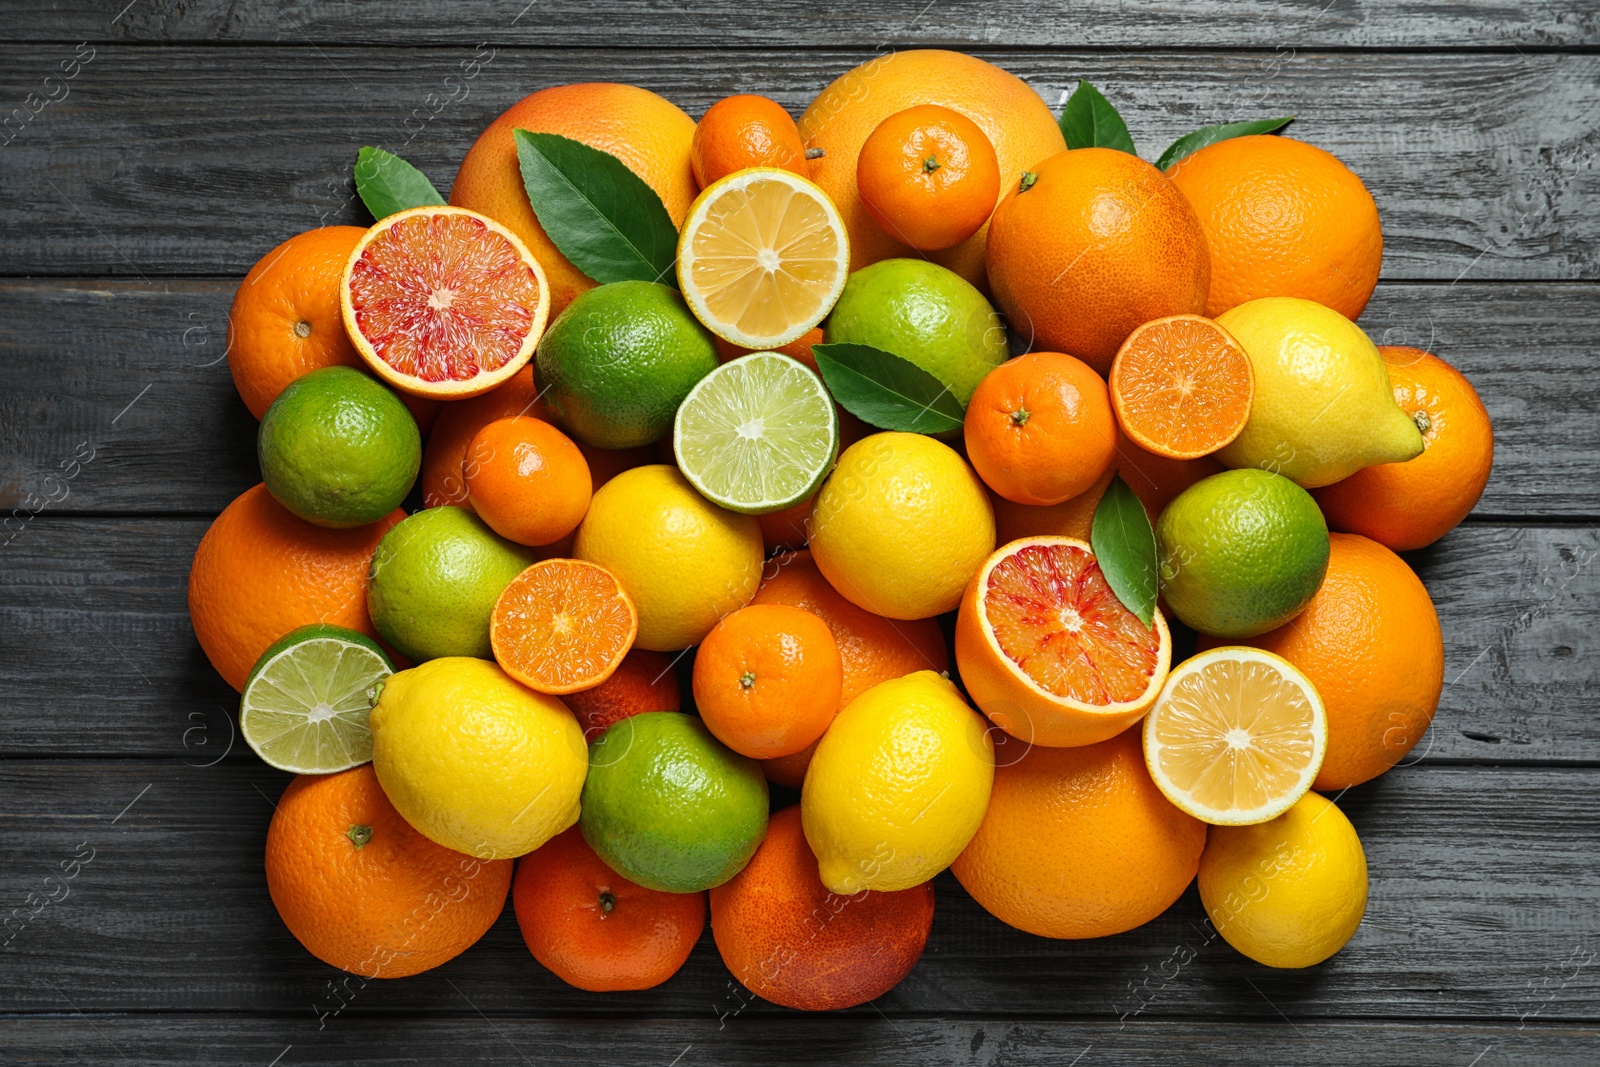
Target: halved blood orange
<point x="562" y="625"/>
<point x="1049" y="653"/>
<point x="443" y="302"/>
<point x="1182" y="386"/>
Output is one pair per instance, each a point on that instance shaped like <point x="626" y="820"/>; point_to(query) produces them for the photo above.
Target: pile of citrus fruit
<point x="806" y="509"/>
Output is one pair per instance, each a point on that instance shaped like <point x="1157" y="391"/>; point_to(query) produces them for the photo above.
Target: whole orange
<point x="1370" y="642"/>
<point x="1014" y="118"/>
<point x="744" y="131"/>
<point x="363" y="891"/>
<point x="644" y="681"/>
<point x="285" y="320"/>
<point x="791" y="940"/>
<point x="1079" y="842"/>
<point x="595" y="929"/>
<point x="1089" y="244"/>
<point x="1412" y="504"/>
<point x="872" y="649"/>
<point x="1282" y="218"/>
<point x="1039" y="428"/>
<point x="649" y="134"/>
<point x="928" y="176"/>
<point x="527" y="480"/>
<point x="767" y="680"/>
<point x="443" y="479"/>
<point x="260" y="572"/>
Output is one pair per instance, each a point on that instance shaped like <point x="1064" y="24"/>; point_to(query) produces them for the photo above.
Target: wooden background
<point x="196" y="134"/>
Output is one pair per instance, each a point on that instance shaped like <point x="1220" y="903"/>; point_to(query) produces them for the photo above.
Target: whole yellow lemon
<point x="901" y="525"/>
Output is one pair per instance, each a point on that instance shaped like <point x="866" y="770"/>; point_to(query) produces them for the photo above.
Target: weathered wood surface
<point x="75" y="353"/>
<point x="97" y="655"/>
<point x="1504" y="24"/>
<point x="1484" y="906"/>
<point x="195" y="160"/>
<point x="498" y="1041"/>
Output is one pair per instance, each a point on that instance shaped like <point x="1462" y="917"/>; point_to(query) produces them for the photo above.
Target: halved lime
<point x="304" y="708"/>
<point x="757" y="434"/>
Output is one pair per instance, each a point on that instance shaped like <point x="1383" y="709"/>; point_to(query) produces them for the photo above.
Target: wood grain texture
<point x="1481" y="163"/>
<point x="94" y="618"/>
<point x="75" y="353"/>
<point x="1483" y="906"/>
<point x="900" y="23"/>
<point x="516" y="1042"/>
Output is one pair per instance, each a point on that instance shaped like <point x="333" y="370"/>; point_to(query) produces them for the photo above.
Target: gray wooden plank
<point x="1484" y="903"/>
<point x="172" y="1040"/>
<point x="901" y="23"/>
<point x="74" y="353"/>
<point x="1481" y="163"/>
<point x="97" y="655"/>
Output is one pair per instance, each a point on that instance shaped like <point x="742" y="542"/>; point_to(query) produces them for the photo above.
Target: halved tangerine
<point x="443" y="302"/>
<point x="1182" y="386"/>
<point x="1049" y="653"/>
<point x="562" y="625"/>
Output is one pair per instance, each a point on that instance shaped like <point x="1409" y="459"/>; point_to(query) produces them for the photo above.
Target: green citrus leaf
<point x="598" y="213"/>
<point x="1124" y="545"/>
<point x="886" y="391"/>
<point x="386" y="183"/>
<point x="1089" y="121"/>
<point x="1193" y="142"/>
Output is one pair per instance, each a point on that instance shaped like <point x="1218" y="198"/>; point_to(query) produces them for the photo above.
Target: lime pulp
<point x="305" y="706"/>
<point x="758" y="434"/>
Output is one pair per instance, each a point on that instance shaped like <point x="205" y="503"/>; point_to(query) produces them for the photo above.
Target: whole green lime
<point x="435" y="578"/>
<point x="620" y="359"/>
<point x="338" y="448"/>
<point x="1241" y="552"/>
<point x="925" y="314"/>
<point x="669" y="806"/>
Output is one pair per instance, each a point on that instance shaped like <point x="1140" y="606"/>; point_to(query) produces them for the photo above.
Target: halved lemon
<point x="762" y="257"/>
<point x="1236" y="736"/>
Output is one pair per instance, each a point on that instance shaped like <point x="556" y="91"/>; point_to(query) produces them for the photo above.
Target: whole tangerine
<point x="595" y="929"/>
<point x="363" y="891"/>
<point x="1039" y="429"/>
<point x="744" y="131"/>
<point x="527" y="480"/>
<point x="767" y="680"/>
<point x="928" y="176"/>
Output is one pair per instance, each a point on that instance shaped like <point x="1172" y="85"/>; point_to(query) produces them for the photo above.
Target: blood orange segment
<point x="1182" y="386"/>
<point x="443" y="302"/>
<point x="562" y="625"/>
<point x="1048" y="651"/>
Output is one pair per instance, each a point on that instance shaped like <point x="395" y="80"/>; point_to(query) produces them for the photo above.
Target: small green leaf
<point x="386" y="183"/>
<point x="1089" y="121"/>
<point x="601" y="215"/>
<point x="886" y="391"/>
<point x="1125" y="547"/>
<point x="1193" y="142"/>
